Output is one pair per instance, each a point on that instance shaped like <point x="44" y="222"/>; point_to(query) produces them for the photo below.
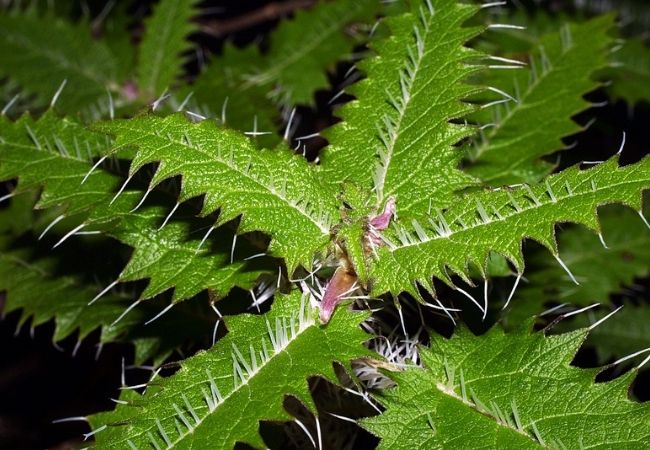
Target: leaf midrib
<point x="45" y="151"/>
<point x="452" y="394"/>
<point x="282" y="349"/>
<point x="523" y="210"/>
<point x="383" y="168"/>
<point x="268" y="75"/>
<point x="324" y="228"/>
<point x="159" y="54"/>
<point x="521" y="104"/>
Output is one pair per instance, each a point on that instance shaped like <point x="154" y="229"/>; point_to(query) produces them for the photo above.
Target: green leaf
<point x="173" y="257"/>
<point x="53" y="153"/>
<point x="160" y="59"/>
<point x="631" y="78"/>
<point x="42" y="297"/>
<point x="521" y="39"/>
<point x="513" y="390"/>
<point x="36" y="286"/>
<point x="396" y="137"/>
<point x="624" y="333"/>
<point x="499" y="220"/>
<point x="218" y="397"/>
<point x="32" y="286"/>
<point x="184" y="327"/>
<point x="246" y="87"/>
<point x="304" y="48"/>
<point x="18" y="217"/>
<point x="40" y="53"/>
<point x="601" y="271"/>
<point x="275" y="192"/>
<point x="549" y="91"/>
<point x="219" y="91"/>
<point x="116" y="35"/>
<point x="30" y="149"/>
<point x="628" y="70"/>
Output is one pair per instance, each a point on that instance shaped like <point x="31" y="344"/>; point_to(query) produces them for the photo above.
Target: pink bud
<point x="340" y="285"/>
<point x="381" y="221"/>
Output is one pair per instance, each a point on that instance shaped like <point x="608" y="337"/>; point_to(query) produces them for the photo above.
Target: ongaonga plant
<point x="434" y="172"/>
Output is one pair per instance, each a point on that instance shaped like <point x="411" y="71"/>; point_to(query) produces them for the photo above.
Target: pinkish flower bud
<point x="382" y="221"/>
<point x="341" y="284"/>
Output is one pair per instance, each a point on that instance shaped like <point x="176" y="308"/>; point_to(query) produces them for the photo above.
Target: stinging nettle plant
<point x="285" y="264"/>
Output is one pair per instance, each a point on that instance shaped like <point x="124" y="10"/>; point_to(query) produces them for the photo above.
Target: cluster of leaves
<point x="439" y="169"/>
